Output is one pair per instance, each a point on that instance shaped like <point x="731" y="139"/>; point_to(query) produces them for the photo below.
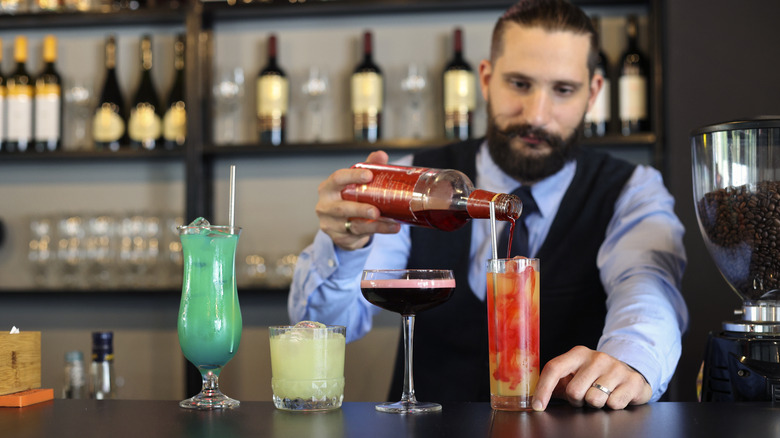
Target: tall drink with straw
<point x="210" y="324"/>
<point x="513" y="329"/>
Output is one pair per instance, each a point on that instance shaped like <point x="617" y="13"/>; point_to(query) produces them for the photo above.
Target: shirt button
<point x="331" y="263"/>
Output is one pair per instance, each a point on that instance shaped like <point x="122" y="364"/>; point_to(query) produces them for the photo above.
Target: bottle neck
<point x="507" y="207"/>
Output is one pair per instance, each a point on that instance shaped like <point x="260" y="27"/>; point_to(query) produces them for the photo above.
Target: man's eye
<point x="565" y="91"/>
<point x="523" y="85"/>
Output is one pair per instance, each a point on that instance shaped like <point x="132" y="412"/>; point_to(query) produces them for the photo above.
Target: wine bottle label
<point x="175" y="123"/>
<point x="47" y="112"/>
<point x="366" y="93"/>
<point x="144" y="124"/>
<point x="107" y="125"/>
<point x="459" y="91"/>
<point x="19" y="106"/>
<point x="600" y="111"/>
<point x="272" y="96"/>
<point x="633" y="97"/>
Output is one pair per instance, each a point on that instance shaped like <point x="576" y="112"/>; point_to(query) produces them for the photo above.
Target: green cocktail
<point x="209" y="314"/>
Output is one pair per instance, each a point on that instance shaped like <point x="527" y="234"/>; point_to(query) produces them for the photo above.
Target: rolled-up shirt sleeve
<point x="326" y="282"/>
<point x="642" y="261"/>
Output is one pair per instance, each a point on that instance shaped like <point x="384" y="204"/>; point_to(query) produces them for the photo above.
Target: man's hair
<point x="550" y="15"/>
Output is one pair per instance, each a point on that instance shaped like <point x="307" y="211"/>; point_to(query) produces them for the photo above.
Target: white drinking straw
<point x="232" y="202"/>
<point x="493" y="236"/>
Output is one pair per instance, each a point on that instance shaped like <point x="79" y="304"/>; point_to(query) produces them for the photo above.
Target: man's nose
<point x="538" y="108"/>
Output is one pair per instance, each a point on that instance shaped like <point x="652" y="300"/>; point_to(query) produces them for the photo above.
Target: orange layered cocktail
<point x="513" y="330"/>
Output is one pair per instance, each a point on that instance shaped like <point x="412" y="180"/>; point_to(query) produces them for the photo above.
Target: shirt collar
<point x="547" y="193"/>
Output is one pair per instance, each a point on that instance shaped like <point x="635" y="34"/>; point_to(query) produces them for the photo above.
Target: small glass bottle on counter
<point x="101" y="371"/>
<point x="75" y="386"/>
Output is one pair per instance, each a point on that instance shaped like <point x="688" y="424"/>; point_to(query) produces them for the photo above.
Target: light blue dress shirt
<point x="641" y="264"/>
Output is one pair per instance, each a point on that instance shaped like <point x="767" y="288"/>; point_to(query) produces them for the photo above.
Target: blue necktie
<point x="520" y="238"/>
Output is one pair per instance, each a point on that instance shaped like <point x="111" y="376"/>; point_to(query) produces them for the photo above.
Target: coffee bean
<point x="740" y="226"/>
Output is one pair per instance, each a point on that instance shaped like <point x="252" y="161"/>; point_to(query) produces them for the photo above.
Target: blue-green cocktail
<point x="209" y="313"/>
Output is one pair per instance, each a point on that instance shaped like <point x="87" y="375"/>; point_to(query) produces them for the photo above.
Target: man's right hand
<point x="335" y="213"/>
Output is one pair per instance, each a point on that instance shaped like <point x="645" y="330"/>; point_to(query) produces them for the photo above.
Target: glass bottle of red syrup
<point x="435" y="198"/>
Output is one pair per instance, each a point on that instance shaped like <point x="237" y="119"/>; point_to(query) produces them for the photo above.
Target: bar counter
<point x="151" y="419"/>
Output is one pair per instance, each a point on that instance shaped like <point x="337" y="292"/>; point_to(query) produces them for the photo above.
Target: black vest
<point x="450" y="345"/>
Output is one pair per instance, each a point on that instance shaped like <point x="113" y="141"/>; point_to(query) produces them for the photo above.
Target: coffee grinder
<point x="736" y="188"/>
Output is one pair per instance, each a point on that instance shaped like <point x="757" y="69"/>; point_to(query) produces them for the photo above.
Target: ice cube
<point x="200" y="222"/>
<point x="310" y="324"/>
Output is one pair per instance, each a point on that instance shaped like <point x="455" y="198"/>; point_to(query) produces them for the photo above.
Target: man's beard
<point x="524" y="167"/>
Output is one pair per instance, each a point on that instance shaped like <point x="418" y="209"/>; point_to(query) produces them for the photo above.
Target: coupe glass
<point x="209" y="314"/>
<point x="408" y="292"/>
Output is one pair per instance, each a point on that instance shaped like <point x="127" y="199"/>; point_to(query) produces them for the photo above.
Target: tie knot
<point x="529" y="205"/>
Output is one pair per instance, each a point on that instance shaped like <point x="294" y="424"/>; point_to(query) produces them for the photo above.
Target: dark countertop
<point x="148" y="419"/>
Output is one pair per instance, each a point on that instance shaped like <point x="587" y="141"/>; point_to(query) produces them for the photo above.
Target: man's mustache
<point x="526" y="130"/>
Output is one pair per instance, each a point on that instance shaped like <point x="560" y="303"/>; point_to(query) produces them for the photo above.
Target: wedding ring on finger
<point x="348" y="227"/>
<point x="602" y="388"/>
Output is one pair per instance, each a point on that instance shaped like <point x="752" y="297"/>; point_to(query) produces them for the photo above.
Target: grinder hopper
<point x="736" y="187"/>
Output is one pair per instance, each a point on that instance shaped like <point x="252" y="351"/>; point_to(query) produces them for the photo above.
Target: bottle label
<point x="144" y="124"/>
<point x="47" y="113"/>
<point x="459" y="91"/>
<point x="19" y="107"/>
<point x="272" y="96"/>
<point x="600" y="111"/>
<point x="366" y="93"/>
<point x="175" y="123"/>
<point x="391" y="190"/>
<point x="107" y="125"/>
<point x="633" y="97"/>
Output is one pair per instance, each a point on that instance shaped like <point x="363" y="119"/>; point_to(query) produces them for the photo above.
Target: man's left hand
<point x="584" y="376"/>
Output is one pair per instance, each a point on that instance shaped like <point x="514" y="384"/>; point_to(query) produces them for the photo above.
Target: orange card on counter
<point x="26" y="398"/>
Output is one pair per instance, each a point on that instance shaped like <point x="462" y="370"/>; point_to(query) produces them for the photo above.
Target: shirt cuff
<point x="638" y="358"/>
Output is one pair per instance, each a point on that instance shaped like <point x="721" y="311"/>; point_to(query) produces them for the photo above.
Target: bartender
<point x="605" y="231"/>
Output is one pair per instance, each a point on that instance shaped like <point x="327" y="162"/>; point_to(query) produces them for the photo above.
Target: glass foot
<point x="209" y="400"/>
<point x="407" y="407"/>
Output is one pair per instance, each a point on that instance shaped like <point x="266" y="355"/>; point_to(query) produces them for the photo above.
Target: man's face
<point x="537" y="93"/>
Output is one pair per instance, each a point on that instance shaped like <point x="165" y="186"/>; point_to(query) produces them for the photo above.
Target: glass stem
<point x="408" y="395"/>
<point x="210" y="383"/>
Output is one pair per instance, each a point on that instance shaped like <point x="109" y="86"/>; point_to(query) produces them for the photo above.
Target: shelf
<point x="221" y="10"/>
<point x="253" y="290"/>
<point x="122" y="155"/>
<point x="402" y="145"/>
<point x="77" y="19"/>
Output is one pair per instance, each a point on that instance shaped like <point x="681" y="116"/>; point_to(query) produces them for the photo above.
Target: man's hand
<point x="351" y="224"/>
<point x="577" y="375"/>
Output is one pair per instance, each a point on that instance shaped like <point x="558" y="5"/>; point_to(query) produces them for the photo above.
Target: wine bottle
<point x="633" y="84"/>
<point x="75" y="386"/>
<point x="175" y="119"/>
<point x="460" y="96"/>
<point x="3" y="93"/>
<point x="435" y="198"/>
<point x="598" y="117"/>
<point x="101" y="370"/>
<point x="367" y="96"/>
<point x="47" y="122"/>
<point x="272" y="99"/>
<point x="144" y="126"/>
<point x="19" y="103"/>
<point x="108" y="123"/>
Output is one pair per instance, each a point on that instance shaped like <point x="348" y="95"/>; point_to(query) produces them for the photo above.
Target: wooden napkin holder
<point x="20" y="361"/>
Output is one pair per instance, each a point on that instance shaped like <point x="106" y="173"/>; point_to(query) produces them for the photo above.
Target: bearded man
<point x="609" y="242"/>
